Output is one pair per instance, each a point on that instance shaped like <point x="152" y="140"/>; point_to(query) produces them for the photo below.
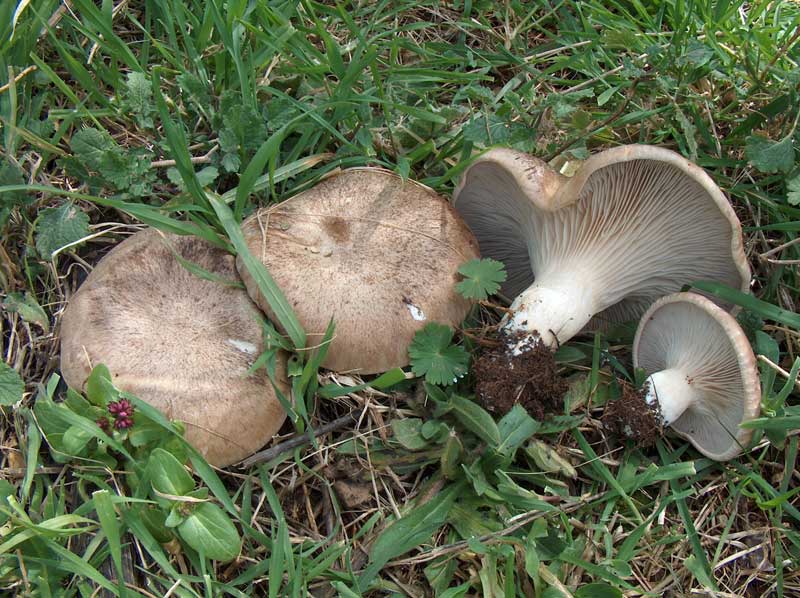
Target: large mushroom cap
<point x="633" y="224"/>
<point x="181" y="343"/>
<point x="378" y="254"/>
<point x="711" y="357"/>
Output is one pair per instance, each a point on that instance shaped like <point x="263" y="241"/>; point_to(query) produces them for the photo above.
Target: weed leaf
<point x="11" y="385"/>
<point x="409" y="532"/>
<point x="211" y="532"/>
<point x="58" y="227"/>
<point x="482" y="277"/>
<point x="770" y="156"/>
<point x="433" y="356"/>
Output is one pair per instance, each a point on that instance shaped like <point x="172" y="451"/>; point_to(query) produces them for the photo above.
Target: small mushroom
<point x="179" y="342"/>
<point x="633" y="224"/>
<point x="378" y="254"/>
<point x="703" y="374"/>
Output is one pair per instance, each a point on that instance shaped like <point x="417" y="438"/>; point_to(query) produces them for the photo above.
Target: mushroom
<point x="633" y="224"/>
<point x="703" y="374"/>
<point x="378" y="254"/>
<point x="181" y="343"/>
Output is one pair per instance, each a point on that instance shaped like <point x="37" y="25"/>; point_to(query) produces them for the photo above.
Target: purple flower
<point x="122" y="423"/>
<point x="122" y="411"/>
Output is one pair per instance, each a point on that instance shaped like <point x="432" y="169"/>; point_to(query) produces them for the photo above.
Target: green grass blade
<point x="266" y="284"/>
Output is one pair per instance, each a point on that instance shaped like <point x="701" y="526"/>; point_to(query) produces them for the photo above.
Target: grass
<point x="186" y="114"/>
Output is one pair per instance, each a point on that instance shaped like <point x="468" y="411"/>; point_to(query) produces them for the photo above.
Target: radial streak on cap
<point x="378" y="254"/>
<point x="635" y="223"/>
<point x="181" y="343"/>
<point x="702" y="372"/>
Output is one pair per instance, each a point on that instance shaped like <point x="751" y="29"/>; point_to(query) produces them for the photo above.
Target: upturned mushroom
<point x="703" y="378"/>
<point x="376" y="253"/>
<point x="633" y="224"/>
<point x="181" y="343"/>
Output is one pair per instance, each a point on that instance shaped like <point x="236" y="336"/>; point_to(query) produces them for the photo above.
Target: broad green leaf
<point x="793" y="188"/>
<point x="433" y="355"/>
<point x="482" y="277"/>
<point x="168" y="475"/>
<point x="407" y="431"/>
<point x="139" y="98"/>
<point x="451" y="456"/>
<point x="477" y="420"/>
<point x="770" y="156"/>
<point x="408" y="532"/>
<point x="211" y="532"/>
<point x="75" y="440"/>
<point x="11" y="385"/>
<point x="99" y="389"/>
<point x="91" y="146"/>
<point x="25" y="305"/>
<point x="549" y="460"/>
<point x="515" y="428"/>
<point x="58" y="227"/>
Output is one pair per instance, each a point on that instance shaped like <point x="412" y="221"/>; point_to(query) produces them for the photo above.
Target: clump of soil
<point x="530" y="378"/>
<point x="631" y="417"/>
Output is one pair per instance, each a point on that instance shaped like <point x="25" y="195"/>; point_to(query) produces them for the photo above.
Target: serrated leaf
<point x="90" y="146"/>
<point x="770" y="156"/>
<point x="205" y="177"/>
<point x="11" y="385"/>
<point x="695" y="54"/>
<point x="487" y="130"/>
<point x="25" y="305"/>
<point x="211" y="532"/>
<point x="482" y="277"/>
<point x="59" y="227"/>
<point x="793" y="187"/>
<point x="433" y="356"/>
<point x="408" y="432"/>
<point x="139" y="98"/>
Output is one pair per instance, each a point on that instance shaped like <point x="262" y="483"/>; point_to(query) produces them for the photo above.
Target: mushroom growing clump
<point x="703" y="380"/>
<point x="633" y="224"/>
<point x="378" y="254"/>
<point x="181" y="343"/>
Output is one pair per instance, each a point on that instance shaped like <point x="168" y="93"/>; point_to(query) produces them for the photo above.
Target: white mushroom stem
<point x="673" y="392"/>
<point x="552" y="312"/>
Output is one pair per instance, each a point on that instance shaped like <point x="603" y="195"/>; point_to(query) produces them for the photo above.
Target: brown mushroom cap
<point x="690" y="335"/>
<point x="176" y="341"/>
<point x="378" y="254"/>
<point x="633" y="224"/>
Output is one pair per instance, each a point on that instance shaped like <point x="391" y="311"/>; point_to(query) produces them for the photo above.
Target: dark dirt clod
<point x="631" y="417"/>
<point x="530" y="379"/>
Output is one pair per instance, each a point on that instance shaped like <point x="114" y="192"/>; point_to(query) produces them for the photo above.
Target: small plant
<point x="434" y="356"/>
<point x="482" y="277"/>
<point x="117" y="430"/>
